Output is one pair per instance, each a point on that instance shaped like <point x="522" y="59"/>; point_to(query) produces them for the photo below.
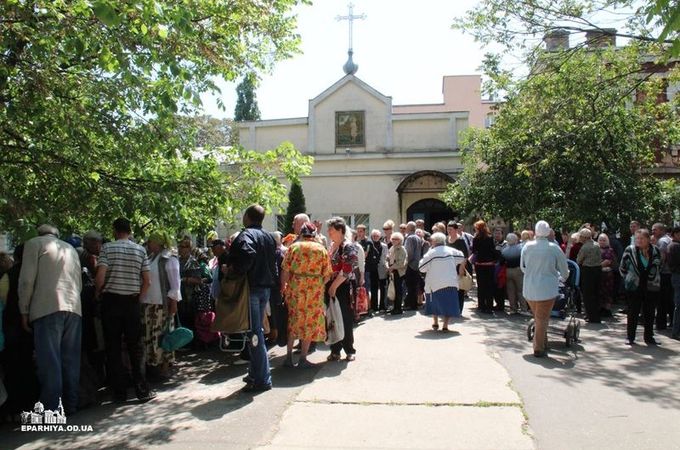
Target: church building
<point x="373" y="160"/>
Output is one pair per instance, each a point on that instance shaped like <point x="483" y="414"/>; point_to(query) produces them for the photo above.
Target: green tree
<point x="246" y="101"/>
<point x="296" y="205"/>
<point x="91" y="99"/>
<point x="570" y="146"/>
<point x="210" y="131"/>
<point x="515" y="24"/>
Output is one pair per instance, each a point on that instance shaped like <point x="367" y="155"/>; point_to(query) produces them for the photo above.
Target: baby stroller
<point x="564" y="308"/>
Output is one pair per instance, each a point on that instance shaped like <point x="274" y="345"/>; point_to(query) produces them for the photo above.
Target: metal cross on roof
<point x="351" y="17"/>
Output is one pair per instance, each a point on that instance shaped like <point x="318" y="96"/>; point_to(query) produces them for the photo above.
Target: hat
<point x="542" y="229"/>
<point x="308" y="230"/>
<point x="217" y="242"/>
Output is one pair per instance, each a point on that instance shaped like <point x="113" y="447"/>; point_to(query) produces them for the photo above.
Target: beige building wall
<point x="270" y="137"/>
<point x="350" y="97"/>
<point x="423" y="134"/>
<point x="460" y="93"/>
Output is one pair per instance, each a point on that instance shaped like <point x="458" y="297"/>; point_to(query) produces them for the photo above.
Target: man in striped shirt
<point x="122" y="278"/>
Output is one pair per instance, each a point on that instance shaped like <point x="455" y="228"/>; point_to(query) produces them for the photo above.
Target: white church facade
<point x="373" y="160"/>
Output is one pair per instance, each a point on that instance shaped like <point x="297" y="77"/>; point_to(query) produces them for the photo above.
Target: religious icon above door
<point x="350" y="129"/>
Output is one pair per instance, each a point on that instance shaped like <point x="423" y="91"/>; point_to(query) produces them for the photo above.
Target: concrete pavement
<point x="410" y="387"/>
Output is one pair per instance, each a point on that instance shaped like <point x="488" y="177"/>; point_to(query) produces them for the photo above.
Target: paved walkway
<point x="410" y="387"/>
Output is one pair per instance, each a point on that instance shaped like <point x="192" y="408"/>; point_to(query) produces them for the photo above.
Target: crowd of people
<point x="82" y="314"/>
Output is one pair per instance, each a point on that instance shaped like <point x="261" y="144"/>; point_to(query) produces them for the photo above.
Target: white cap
<point x="542" y="229"/>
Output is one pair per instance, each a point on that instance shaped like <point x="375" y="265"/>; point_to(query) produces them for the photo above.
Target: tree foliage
<point x="296" y="205"/>
<point x="209" y="131"/>
<point x="91" y="99"/>
<point x="570" y="145"/>
<point x="246" y="101"/>
<point x="521" y="24"/>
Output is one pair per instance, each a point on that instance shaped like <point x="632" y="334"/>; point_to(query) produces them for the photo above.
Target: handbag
<point x="391" y="292"/>
<point x="465" y="282"/>
<point x="335" y="328"/>
<point x="177" y="338"/>
<point x="362" y="301"/>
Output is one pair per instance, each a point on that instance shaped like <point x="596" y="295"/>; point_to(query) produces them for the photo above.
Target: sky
<point x="403" y="49"/>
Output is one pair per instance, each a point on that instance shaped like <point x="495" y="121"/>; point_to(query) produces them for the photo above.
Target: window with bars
<point x="356" y="219"/>
<point x="281" y="223"/>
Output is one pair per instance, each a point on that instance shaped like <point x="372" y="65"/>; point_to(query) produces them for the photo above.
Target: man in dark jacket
<point x="673" y="260"/>
<point x="253" y="253"/>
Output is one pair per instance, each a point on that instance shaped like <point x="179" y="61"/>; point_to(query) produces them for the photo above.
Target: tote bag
<point x="465" y="282"/>
<point x="391" y="293"/>
<point x="335" y="330"/>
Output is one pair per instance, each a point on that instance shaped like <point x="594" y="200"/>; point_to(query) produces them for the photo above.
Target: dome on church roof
<point x="350" y="67"/>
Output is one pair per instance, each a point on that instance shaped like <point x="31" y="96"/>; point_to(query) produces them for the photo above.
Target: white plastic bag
<point x="335" y="330"/>
<point x="391" y="292"/>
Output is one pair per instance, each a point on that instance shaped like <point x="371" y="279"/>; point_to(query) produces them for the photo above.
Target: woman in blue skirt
<point x="441" y="280"/>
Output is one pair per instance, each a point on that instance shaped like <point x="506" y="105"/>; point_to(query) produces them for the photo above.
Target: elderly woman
<point x="543" y="264"/>
<point x="159" y="304"/>
<point x="441" y="280"/>
<point x="190" y="273"/>
<point x="344" y="260"/>
<point x="607" y="278"/>
<point x="376" y="267"/>
<point x="485" y="256"/>
<point x="641" y="272"/>
<point x="305" y="270"/>
<point x="589" y="259"/>
<point x="397" y="259"/>
<point x="514" y="284"/>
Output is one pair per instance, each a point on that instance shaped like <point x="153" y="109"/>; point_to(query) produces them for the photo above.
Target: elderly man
<point x="414" y="248"/>
<point x="49" y="298"/>
<point x="664" y="305"/>
<point x="511" y="256"/>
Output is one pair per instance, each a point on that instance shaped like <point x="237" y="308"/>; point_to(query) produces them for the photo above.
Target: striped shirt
<point x="125" y="261"/>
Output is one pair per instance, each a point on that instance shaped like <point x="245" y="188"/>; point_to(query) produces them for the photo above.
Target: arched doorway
<point x="431" y="210"/>
<point x="419" y="197"/>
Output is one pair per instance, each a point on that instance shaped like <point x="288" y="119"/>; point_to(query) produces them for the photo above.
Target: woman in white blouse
<point x="159" y="304"/>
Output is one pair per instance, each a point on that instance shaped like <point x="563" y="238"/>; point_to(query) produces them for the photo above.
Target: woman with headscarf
<point x="304" y="272"/>
<point x="441" y="280"/>
<point x="543" y="264"/>
<point x="641" y="272"/>
<point x="159" y="304"/>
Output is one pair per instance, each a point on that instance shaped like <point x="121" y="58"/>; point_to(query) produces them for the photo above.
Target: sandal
<point x="435" y="326"/>
<point x="333" y="357"/>
<point x="350" y="358"/>
<point x="445" y="330"/>
<point x="304" y="364"/>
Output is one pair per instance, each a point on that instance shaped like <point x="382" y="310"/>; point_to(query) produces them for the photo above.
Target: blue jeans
<point x="259" y="362"/>
<point x="675" y="282"/>
<point x="57" y="349"/>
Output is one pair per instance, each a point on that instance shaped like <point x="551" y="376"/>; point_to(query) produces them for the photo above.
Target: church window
<point x="353" y="220"/>
<point x="350" y="129"/>
<point x="281" y="223"/>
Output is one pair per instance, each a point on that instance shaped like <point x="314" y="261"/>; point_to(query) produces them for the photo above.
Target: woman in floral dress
<point x="305" y="270"/>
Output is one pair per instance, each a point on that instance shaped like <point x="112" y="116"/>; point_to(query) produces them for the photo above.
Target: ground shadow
<point x="437" y="335"/>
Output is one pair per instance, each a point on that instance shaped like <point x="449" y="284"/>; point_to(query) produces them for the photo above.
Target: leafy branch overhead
<point x="575" y="142"/>
<point x="92" y="99"/>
